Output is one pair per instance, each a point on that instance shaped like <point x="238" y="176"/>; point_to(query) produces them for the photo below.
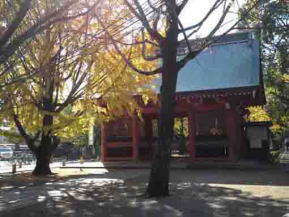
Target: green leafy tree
<point x="271" y="22"/>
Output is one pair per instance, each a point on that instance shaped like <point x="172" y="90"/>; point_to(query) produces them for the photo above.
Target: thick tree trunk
<point x="47" y="145"/>
<point x="43" y="155"/>
<point x="42" y="165"/>
<point x="159" y="177"/>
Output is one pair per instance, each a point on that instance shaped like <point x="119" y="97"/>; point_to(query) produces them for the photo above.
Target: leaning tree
<point x="159" y="24"/>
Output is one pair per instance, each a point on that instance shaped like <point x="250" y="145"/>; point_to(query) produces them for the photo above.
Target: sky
<point x="196" y="9"/>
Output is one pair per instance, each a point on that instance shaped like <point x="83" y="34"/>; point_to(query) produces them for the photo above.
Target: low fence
<point x="25" y="158"/>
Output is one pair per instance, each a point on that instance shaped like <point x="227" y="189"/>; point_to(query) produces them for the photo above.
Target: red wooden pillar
<point x="192" y="134"/>
<point x="239" y="136"/>
<point x="231" y="133"/>
<point x="103" y="148"/>
<point x="135" y="136"/>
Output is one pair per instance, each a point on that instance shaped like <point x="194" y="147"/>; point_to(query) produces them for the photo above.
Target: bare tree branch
<point x="19" y="16"/>
<point x="212" y="9"/>
<point x="128" y="62"/>
<point x="44" y="23"/>
<point x="209" y="39"/>
<point x="142" y="17"/>
<point x="148" y="58"/>
<point x="29" y="140"/>
<point x="221" y="20"/>
<point x="181" y="6"/>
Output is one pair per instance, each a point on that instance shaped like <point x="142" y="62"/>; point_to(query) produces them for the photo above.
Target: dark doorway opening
<point x="211" y="137"/>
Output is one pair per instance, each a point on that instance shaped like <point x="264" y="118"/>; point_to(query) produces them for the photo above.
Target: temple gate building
<point x="212" y="94"/>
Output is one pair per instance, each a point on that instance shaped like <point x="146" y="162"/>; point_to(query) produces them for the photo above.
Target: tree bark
<point x="42" y="164"/>
<point x="47" y="146"/>
<point x="159" y="177"/>
<point x="43" y="155"/>
<point x="48" y="142"/>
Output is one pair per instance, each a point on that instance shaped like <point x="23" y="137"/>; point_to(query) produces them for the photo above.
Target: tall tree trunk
<point x="159" y="177"/>
<point x="43" y="155"/>
<point x="47" y="146"/>
<point x="42" y="163"/>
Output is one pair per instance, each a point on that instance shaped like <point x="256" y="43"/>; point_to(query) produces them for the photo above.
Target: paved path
<point x="6" y="167"/>
<point x="117" y="193"/>
<point x="175" y="164"/>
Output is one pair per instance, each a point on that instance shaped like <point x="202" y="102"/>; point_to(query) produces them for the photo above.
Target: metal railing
<point x="20" y="157"/>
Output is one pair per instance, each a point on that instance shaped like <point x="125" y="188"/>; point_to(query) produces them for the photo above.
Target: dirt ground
<point x="117" y="193"/>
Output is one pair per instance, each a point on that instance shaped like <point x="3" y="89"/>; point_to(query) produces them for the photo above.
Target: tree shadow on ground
<point x="274" y="177"/>
<point x="120" y="193"/>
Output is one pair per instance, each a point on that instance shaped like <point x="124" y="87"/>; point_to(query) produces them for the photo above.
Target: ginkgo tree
<point x="74" y="73"/>
<point x="19" y="24"/>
